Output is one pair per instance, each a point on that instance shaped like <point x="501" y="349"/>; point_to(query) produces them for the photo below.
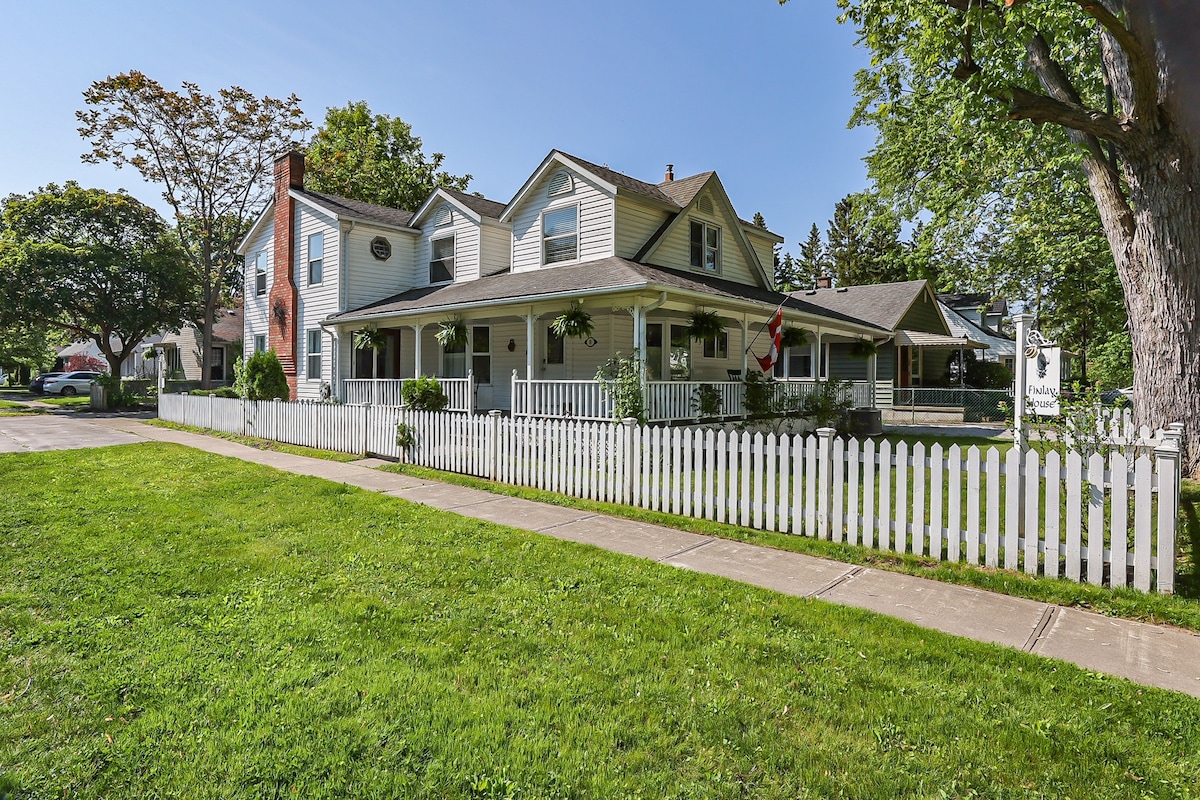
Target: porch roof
<point x="606" y="275"/>
<point x="925" y="339"/>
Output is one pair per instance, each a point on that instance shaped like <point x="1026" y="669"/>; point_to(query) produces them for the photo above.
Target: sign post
<point x="1022" y="322"/>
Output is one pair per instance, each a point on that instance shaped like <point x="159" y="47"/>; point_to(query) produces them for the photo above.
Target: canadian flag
<point x="775" y="331"/>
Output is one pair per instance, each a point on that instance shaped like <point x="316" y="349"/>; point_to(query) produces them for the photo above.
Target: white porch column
<point x="745" y="346"/>
<point x="1023" y="321"/>
<point x="821" y="374"/>
<point x="873" y="375"/>
<point x="417" y="350"/>
<point x="529" y="319"/>
<point x="639" y="330"/>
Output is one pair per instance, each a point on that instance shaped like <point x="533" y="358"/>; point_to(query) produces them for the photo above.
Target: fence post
<point x="1166" y="457"/>
<point x="470" y="392"/>
<point x="629" y="474"/>
<point x="513" y="399"/>
<point x="824" y="471"/>
<point x="493" y="444"/>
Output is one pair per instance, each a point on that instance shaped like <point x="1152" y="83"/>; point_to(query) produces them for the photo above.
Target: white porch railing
<point x="666" y="401"/>
<point x="566" y="399"/>
<point x="460" y="392"/>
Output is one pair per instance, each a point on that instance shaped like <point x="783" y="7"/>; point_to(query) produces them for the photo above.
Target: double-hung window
<point x="476" y="352"/>
<point x="705" y="246"/>
<point x="441" y="262"/>
<point x="260" y="274"/>
<point x="717" y="347"/>
<point x="316" y="256"/>
<point x="314" y="355"/>
<point x="260" y="343"/>
<point x="560" y="234"/>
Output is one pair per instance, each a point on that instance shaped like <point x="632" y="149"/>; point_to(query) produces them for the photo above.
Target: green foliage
<point x="211" y="154"/>
<point x="704" y="326"/>
<point x="370" y="338"/>
<point x="95" y="265"/>
<point x="29" y="347"/>
<point x="761" y="399"/>
<point x="1079" y="426"/>
<point x="424" y="394"/>
<point x="622" y="379"/>
<point x="828" y="405"/>
<point x="451" y="332"/>
<point x="988" y="375"/>
<point x="406" y="436"/>
<point x="863" y="348"/>
<point x="575" y="323"/>
<point x="706" y="400"/>
<point x="792" y="336"/>
<point x="864" y="242"/>
<point x="374" y="158"/>
<point x="814" y="261"/>
<point x="262" y="378"/>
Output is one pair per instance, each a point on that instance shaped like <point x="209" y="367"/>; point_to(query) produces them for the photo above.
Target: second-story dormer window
<point x="560" y="234"/>
<point x="705" y="246"/>
<point x="441" y="262"/>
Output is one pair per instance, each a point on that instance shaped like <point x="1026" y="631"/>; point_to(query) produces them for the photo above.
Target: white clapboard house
<point x="639" y="257"/>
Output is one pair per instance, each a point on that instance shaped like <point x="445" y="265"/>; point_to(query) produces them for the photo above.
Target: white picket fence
<point x="1104" y="521"/>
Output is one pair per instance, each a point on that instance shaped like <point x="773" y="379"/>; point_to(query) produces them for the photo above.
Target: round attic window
<point x="381" y="248"/>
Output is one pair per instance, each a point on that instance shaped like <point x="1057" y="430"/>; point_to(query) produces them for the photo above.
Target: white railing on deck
<point x="565" y="399"/>
<point x="668" y="401"/>
<point x="460" y="392"/>
<point x="1107" y="521"/>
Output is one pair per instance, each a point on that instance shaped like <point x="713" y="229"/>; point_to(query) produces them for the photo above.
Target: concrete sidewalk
<point x="1148" y="654"/>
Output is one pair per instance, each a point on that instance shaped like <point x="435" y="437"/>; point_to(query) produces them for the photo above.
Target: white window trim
<point x="578" y="238"/>
<point x="266" y="273"/>
<point x="720" y="269"/>
<point x="570" y="185"/>
<point x="309" y="259"/>
<point x="308" y="354"/>
<point x="453" y="272"/>
<point x="444" y="215"/>
<point x="716" y="356"/>
<point x="469" y="353"/>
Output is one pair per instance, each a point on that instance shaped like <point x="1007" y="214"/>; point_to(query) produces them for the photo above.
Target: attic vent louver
<point x="561" y="183"/>
<point x="442" y="216"/>
<point x="705" y="204"/>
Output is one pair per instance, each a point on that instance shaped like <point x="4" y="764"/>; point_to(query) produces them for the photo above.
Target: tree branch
<point x="1040" y="108"/>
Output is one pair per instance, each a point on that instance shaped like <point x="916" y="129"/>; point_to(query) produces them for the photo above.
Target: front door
<point x="217" y="367"/>
<point x="554" y="358"/>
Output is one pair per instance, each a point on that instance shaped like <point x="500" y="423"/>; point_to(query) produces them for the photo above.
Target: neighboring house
<point x="135" y="366"/>
<point x="917" y="347"/>
<point x="1000" y="348"/>
<point x="982" y="310"/>
<point x="639" y="257"/>
<point x="182" y="350"/>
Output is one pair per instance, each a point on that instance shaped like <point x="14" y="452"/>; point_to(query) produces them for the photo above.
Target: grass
<point x="213" y="628"/>
<point x="10" y="408"/>
<point x="261" y="444"/>
<point x="60" y="400"/>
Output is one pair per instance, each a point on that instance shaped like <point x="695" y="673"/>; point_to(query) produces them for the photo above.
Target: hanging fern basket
<point x="451" y="333"/>
<point x="574" y="323"/>
<point x="793" y="337"/>
<point x="370" y="339"/>
<point x="705" y="326"/>
<point x="863" y="348"/>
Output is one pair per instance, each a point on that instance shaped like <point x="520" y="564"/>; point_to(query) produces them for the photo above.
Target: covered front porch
<point x="510" y="358"/>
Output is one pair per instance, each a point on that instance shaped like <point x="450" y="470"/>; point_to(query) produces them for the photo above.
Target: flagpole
<point x="760" y="330"/>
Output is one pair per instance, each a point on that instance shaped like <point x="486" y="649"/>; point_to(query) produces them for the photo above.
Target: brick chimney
<point x="670" y="173"/>
<point x="825" y="282"/>
<point x="289" y="173"/>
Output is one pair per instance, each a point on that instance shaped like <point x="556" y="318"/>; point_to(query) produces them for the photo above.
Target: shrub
<point x="622" y="379"/>
<point x="424" y="394"/>
<point x="707" y="401"/>
<point x="261" y="378"/>
<point x="828" y="405"/>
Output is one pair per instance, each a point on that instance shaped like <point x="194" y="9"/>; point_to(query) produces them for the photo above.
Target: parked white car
<point x="71" y="383"/>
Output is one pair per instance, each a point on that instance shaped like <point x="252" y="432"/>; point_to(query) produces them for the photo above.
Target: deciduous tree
<point x="1102" y="72"/>
<point x="374" y="158"/>
<point x="212" y="155"/>
<point x="97" y="265"/>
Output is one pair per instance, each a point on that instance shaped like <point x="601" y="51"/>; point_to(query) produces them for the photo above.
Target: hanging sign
<point x="1043" y="375"/>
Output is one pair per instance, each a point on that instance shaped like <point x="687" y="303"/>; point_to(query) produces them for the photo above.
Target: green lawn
<point x="10" y="408"/>
<point x="62" y="400"/>
<point x="213" y="628"/>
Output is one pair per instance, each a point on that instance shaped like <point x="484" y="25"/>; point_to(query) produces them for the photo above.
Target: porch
<point x="665" y="401"/>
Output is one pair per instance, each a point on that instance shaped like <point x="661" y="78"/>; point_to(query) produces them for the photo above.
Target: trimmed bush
<point x="424" y="394"/>
<point x="261" y="378"/>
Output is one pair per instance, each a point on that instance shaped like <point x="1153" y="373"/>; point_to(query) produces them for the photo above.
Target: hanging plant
<point x="705" y="326"/>
<point x="863" y="348"/>
<point x="451" y="332"/>
<point x="793" y="337"/>
<point x="370" y="339"/>
<point x="573" y="323"/>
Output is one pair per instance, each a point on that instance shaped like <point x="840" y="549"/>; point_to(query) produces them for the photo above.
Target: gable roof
<point x="345" y="208"/>
<point x="593" y="277"/>
<point x="623" y="181"/>
<point x="480" y="205"/>
<point x="684" y="190"/>
<point x="881" y="304"/>
<point x="474" y="206"/>
<point x="960" y="326"/>
<point x="974" y="301"/>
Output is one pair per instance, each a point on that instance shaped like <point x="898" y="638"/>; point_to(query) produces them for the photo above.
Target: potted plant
<point x="705" y="326"/>
<point x="451" y="333"/>
<point x="573" y="323"/>
<point x="370" y="339"/>
<point x="863" y="348"/>
<point x="793" y="337"/>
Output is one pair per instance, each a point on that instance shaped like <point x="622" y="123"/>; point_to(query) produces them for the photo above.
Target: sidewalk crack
<point x="686" y="550"/>
<point x="1049" y="614"/>
<point x="838" y="581"/>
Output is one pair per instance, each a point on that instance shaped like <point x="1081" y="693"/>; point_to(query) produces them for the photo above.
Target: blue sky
<point x="758" y="92"/>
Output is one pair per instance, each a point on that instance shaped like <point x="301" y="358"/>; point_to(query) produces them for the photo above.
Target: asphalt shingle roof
<point x="607" y="273"/>
<point x="480" y="205"/>
<point x="357" y="209"/>
<point x="624" y="181"/>
<point x="881" y="304"/>
<point x="684" y="190"/>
